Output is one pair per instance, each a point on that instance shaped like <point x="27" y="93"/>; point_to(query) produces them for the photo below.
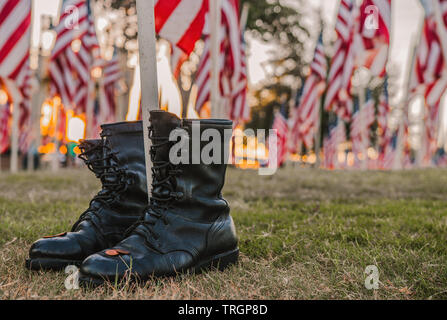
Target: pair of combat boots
<point x="186" y="227"/>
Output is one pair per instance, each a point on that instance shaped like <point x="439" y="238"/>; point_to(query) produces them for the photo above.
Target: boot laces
<point x="114" y="180"/>
<point x="163" y="191"/>
<point x="95" y="165"/>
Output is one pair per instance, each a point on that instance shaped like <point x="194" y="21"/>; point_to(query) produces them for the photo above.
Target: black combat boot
<point x="187" y="227"/>
<point x="118" y="161"/>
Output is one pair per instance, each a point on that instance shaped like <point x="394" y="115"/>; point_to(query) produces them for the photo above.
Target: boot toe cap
<point x="58" y="247"/>
<point x="101" y="266"/>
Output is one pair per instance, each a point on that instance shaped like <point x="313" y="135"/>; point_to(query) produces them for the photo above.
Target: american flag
<point x="362" y="121"/>
<point x="75" y="54"/>
<point x="111" y="75"/>
<point x="178" y="57"/>
<point x="5" y="114"/>
<point x="389" y="151"/>
<point x="406" y="161"/>
<point x="181" y="22"/>
<point x="384" y="107"/>
<point x="306" y="117"/>
<point x="441" y="158"/>
<point x="232" y="66"/>
<point x="372" y="44"/>
<point x="281" y="128"/>
<point x="25" y="113"/>
<point x="15" y="26"/>
<point x="429" y="61"/>
<point x="382" y="121"/>
<point x="342" y="64"/>
<point x="443" y="6"/>
<point x="336" y="136"/>
<point x="433" y="97"/>
<point x="429" y="75"/>
<point x="431" y="132"/>
<point x="239" y="109"/>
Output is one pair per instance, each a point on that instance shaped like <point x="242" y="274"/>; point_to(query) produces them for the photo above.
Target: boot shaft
<point x="196" y="185"/>
<point x="124" y="149"/>
<point x="203" y="177"/>
<point x="92" y="153"/>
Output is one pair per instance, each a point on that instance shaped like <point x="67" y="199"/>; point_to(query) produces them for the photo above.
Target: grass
<point x="303" y="235"/>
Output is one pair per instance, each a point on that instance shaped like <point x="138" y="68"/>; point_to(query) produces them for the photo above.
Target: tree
<point x="280" y="23"/>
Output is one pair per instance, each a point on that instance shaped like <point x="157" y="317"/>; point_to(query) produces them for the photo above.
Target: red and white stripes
<point x="306" y="116"/>
<point x="372" y="40"/>
<point x="15" y="26"/>
<point x="361" y="123"/>
<point x="342" y="64"/>
<point x="5" y="114"/>
<point x="15" y="29"/>
<point x="232" y="66"/>
<point x="75" y="54"/>
<point x="281" y="128"/>
<point x="336" y="136"/>
<point x="111" y="75"/>
<point x="181" y="21"/>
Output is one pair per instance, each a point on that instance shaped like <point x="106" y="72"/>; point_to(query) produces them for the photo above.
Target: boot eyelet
<point x="177" y="195"/>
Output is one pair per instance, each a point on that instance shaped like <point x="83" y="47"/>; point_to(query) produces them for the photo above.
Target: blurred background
<point x="373" y="107"/>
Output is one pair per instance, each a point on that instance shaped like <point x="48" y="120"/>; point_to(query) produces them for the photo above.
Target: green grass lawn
<point x="304" y="234"/>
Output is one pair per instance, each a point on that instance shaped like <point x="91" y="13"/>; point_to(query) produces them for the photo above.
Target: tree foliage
<point x="279" y="23"/>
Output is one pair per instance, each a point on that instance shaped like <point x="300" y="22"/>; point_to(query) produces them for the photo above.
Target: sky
<point x="407" y="15"/>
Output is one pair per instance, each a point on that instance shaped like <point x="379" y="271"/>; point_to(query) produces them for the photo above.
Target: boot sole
<point x="50" y="264"/>
<point x="219" y="262"/>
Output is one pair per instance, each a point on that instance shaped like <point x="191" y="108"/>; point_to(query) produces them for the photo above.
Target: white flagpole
<point x="318" y="136"/>
<point x="398" y="160"/>
<point x="215" y="21"/>
<point x="17" y="97"/>
<point x="90" y="107"/>
<point x="363" y="130"/>
<point x="440" y="26"/>
<point x="148" y="65"/>
<point x="244" y="15"/>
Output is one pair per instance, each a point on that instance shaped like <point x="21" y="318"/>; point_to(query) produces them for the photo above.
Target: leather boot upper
<point x="188" y="220"/>
<point x="118" y="161"/>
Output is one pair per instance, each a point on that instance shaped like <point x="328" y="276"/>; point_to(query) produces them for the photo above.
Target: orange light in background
<point x="76" y="45"/>
<point x="46" y="118"/>
<point x="3" y="97"/>
<point x="341" y="157"/>
<point x="351" y="159"/>
<point x="372" y="154"/>
<point x="57" y="101"/>
<point x="295" y="158"/>
<point x="205" y="112"/>
<point x="75" y="129"/>
<point x="96" y="72"/>
<point x="63" y="149"/>
<point x="47" y="149"/>
<point x="76" y="150"/>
